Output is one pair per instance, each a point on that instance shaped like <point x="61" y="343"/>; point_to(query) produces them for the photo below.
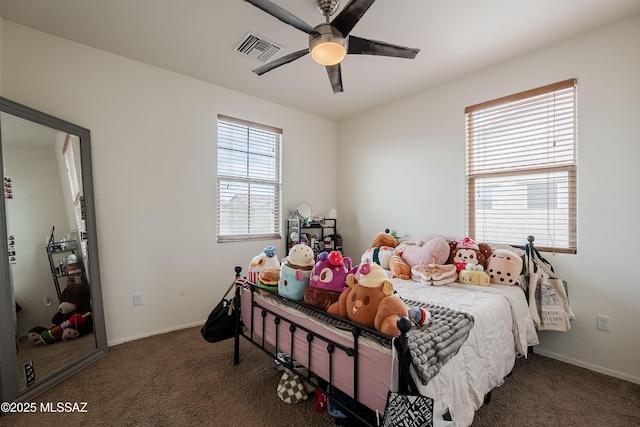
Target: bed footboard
<point x="339" y="360"/>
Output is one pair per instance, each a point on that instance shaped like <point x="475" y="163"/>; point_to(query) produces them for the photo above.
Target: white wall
<point x="422" y="190"/>
<point x="153" y="136"/>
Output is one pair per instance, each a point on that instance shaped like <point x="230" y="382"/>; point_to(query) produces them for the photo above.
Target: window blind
<point x="249" y="181"/>
<point x="521" y="168"/>
<point x="76" y="194"/>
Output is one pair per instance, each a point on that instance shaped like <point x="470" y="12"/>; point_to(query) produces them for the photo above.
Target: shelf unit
<point x="320" y="235"/>
<point x="73" y="272"/>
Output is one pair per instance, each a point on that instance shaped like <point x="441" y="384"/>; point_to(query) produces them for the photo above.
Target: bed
<point x="359" y="361"/>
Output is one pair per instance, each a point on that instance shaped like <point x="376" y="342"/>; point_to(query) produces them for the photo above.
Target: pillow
<point x="435" y="251"/>
<point x="504" y="267"/>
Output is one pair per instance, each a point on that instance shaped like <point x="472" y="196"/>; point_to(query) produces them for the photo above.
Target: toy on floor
<point x="370" y="300"/>
<point x="76" y="326"/>
<point x="75" y="298"/>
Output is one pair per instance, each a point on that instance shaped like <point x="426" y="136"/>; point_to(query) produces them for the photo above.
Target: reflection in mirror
<point x="51" y="316"/>
<point x="45" y="224"/>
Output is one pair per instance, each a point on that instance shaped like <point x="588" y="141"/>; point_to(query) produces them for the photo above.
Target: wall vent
<point x="257" y="47"/>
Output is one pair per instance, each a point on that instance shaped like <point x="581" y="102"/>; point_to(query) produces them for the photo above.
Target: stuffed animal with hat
<point x="370" y="300"/>
<point x="467" y="251"/>
<point x="295" y="272"/>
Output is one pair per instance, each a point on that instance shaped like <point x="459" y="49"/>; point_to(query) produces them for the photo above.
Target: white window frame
<point x="517" y="146"/>
<point x="249" y="178"/>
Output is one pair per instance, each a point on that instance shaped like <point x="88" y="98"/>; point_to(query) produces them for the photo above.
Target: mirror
<point x="50" y="255"/>
<point x="304" y="210"/>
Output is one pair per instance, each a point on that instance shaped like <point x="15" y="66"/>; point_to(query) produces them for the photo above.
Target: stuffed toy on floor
<point x="76" y="326"/>
<point x="75" y="298"/>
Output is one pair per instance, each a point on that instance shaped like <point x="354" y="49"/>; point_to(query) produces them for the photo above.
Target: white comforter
<point x="502" y="328"/>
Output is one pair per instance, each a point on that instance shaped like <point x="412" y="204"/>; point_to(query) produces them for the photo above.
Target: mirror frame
<point x="8" y="358"/>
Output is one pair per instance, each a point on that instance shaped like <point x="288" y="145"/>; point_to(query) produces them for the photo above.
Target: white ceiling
<point x="197" y="38"/>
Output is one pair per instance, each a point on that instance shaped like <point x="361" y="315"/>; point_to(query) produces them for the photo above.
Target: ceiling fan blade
<point x="362" y="46"/>
<point x="350" y="15"/>
<point x="335" y="77"/>
<point x="283" y="15"/>
<point x="280" y="61"/>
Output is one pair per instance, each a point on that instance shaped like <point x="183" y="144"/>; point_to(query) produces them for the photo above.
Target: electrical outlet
<point x="604" y="323"/>
<point x="137" y="298"/>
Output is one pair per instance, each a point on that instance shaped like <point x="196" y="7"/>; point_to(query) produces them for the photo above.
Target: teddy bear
<point x="328" y="279"/>
<point x="370" y="300"/>
<point x="467" y="251"/>
<point x="75" y="298"/>
<point x="381" y="250"/>
<point x="266" y="258"/>
<point x="295" y="272"/>
<point x="504" y="267"/>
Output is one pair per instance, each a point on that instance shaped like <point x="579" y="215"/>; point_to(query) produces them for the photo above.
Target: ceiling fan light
<point x="328" y="53"/>
<point x="328" y="48"/>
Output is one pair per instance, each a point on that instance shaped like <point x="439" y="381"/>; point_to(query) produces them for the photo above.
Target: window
<point x="521" y="168"/>
<point x="249" y="180"/>
<point x="70" y="147"/>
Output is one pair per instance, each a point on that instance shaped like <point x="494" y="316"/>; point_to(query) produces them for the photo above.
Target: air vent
<point x="257" y="47"/>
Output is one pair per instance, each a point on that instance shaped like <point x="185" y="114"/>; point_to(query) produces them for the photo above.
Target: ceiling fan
<point x="330" y="42"/>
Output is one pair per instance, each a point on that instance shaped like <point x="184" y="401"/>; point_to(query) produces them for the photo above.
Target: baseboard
<point x="586" y="365"/>
<point x="157" y="332"/>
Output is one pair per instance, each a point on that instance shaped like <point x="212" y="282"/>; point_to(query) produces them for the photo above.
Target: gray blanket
<point x="431" y="346"/>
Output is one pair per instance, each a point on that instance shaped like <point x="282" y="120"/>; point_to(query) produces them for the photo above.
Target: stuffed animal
<point x="295" y="272"/>
<point x="473" y="275"/>
<point x="268" y="279"/>
<point x="468" y="251"/>
<point x="328" y="279"/>
<point x="370" y="300"/>
<point x="399" y="268"/>
<point x="75" y="298"/>
<point x="420" y="316"/>
<point x="76" y="326"/>
<point x="434" y="274"/>
<point x="434" y="251"/>
<point x="266" y="258"/>
<point x="382" y="249"/>
<point x="504" y="267"/>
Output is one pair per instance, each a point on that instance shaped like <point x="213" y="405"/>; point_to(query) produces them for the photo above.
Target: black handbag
<point x="221" y="323"/>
